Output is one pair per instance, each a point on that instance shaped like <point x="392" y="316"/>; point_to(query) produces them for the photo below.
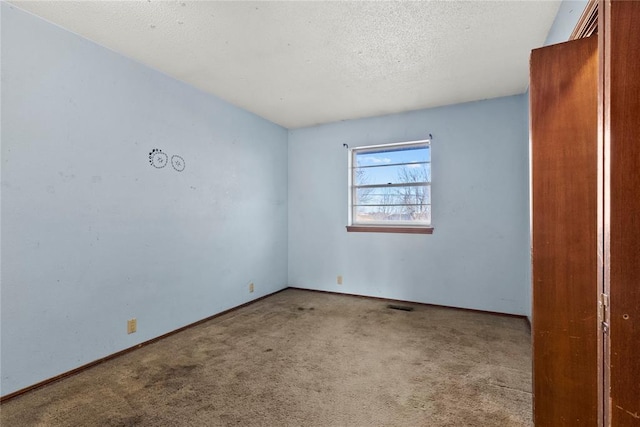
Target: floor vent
<point x="400" y="307"/>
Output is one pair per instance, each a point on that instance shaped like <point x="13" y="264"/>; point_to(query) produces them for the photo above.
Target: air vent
<point x="400" y="307"/>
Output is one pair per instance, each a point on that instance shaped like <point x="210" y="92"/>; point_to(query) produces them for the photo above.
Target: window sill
<point x="386" y="229"/>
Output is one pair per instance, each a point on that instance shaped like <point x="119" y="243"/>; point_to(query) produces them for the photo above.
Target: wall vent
<point x="400" y="307"/>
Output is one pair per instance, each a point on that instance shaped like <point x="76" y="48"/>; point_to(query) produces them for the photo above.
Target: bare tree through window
<point x="392" y="184"/>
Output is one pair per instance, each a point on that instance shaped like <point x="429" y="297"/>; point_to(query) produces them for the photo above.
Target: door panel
<point x="622" y="228"/>
<point x="564" y="143"/>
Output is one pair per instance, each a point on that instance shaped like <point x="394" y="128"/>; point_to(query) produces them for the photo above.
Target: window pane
<point x="391" y="214"/>
<point x="394" y="174"/>
<point x="393" y="155"/>
<point x="414" y="195"/>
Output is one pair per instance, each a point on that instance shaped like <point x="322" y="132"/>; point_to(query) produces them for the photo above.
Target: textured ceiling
<point x="304" y="63"/>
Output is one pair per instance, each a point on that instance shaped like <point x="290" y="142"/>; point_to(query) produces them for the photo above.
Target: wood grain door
<point x="621" y="58"/>
<point x="565" y="243"/>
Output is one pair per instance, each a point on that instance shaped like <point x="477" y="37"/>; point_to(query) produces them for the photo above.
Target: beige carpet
<point x="301" y="358"/>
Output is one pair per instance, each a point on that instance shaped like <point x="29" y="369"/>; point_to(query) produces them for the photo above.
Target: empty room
<point x="322" y="213"/>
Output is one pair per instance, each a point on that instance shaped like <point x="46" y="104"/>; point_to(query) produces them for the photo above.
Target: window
<point x="390" y="188"/>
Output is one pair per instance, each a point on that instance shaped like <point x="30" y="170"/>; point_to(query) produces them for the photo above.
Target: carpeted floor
<point x="301" y="358"/>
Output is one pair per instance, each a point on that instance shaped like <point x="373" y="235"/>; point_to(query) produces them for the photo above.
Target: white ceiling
<point x="305" y="63"/>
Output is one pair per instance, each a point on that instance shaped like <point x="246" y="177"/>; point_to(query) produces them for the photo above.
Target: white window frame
<point x="418" y="227"/>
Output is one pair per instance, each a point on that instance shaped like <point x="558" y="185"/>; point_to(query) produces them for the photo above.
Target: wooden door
<point x="565" y="243"/>
<point x="621" y="58"/>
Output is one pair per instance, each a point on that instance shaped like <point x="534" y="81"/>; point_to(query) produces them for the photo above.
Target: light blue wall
<point x="478" y="256"/>
<point x="92" y="235"/>
<point x="566" y="20"/>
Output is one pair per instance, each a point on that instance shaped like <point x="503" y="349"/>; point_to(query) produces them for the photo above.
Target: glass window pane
<point x="393" y="155"/>
<point x="392" y="214"/>
<point x="414" y="195"/>
<point x="399" y="174"/>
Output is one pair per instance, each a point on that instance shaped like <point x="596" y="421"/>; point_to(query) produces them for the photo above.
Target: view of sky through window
<point x="392" y="184"/>
<point x="384" y="167"/>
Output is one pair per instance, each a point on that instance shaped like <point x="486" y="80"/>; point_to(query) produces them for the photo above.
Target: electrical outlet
<point x="251" y="287"/>
<point x="132" y="326"/>
<point x="339" y="280"/>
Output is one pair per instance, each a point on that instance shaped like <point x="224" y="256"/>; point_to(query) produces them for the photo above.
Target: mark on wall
<point x="66" y="177"/>
<point x="177" y="162"/>
<point x="157" y="158"/>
